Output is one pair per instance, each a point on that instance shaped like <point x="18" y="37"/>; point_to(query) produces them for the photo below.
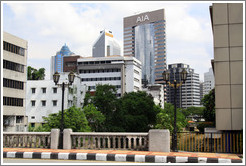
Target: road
<point x="14" y="160"/>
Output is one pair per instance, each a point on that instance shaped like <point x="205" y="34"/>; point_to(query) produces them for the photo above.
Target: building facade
<point x="44" y="97"/>
<point x="145" y="39"/>
<point x="189" y="93"/>
<point x="122" y="72"/>
<point x="14" y="83"/>
<point x="57" y="60"/>
<point x="105" y="45"/>
<point x="70" y="63"/>
<point x="157" y="92"/>
<point x="227" y="24"/>
<point x="208" y="84"/>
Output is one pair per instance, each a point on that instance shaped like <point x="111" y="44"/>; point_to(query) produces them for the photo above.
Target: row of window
<point x="161" y="44"/>
<point x="160" y="52"/>
<point x="160" y="33"/>
<point x="160" y="29"/>
<point x="13" y="84"/>
<point x="128" y="42"/>
<point x="159" y="41"/>
<point x="43" y="90"/>
<point x="13" y="48"/>
<point x="101" y="79"/>
<point x="160" y="48"/>
<point x="136" y="80"/>
<point x="11" y="101"/>
<point x="100" y="71"/>
<point x="13" y="66"/>
<point x="159" y="37"/>
<point x="94" y="62"/>
<point x="128" y="35"/>
<point x="136" y="72"/>
<point x="43" y="103"/>
<point x="94" y="87"/>
<point x="163" y="25"/>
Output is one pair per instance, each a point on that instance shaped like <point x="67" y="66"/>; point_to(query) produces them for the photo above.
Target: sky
<point x="47" y="26"/>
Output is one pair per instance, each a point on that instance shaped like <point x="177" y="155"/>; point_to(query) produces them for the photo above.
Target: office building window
<point x="12" y="84"/>
<point x="44" y="90"/>
<point x="33" y="103"/>
<point x="43" y="103"/>
<point x="32" y="124"/>
<point x="13" y="66"/>
<point x="33" y="90"/>
<point x="10" y="101"/>
<point x="54" y="102"/>
<point x="33" y="117"/>
<point x="19" y="119"/>
<point x="13" y="48"/>
<point x="54" y="90"/>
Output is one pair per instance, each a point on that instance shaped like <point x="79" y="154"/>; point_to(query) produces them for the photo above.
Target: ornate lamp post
<point x="56" y="77"/>
<point x="175" y="85"/>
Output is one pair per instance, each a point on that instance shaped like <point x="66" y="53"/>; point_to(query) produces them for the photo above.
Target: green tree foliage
<point x="104" y="99"/>
<point x="94" y="117"/>
<point x="193" y="111"/>
<point x="136" y="112"/>
<point x="208" y="102"/>
<point x="165" y="118"/>
<point x="34" y="74"/>
<point x="74" y="118"/>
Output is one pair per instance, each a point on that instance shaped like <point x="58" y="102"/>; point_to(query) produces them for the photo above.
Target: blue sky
<point x="47" y="26"/>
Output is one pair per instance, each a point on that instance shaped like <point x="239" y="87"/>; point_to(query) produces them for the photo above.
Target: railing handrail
<point x="26" y="133"/>
<point x="108" y="134"/>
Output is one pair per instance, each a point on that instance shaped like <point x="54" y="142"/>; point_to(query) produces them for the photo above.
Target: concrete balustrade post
<point x="159" y="140"/>
<point x="54" y="134"/>
<point x="67" y="141"/>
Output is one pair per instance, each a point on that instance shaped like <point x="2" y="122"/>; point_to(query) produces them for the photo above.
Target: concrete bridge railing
<point x="154" y="140"/>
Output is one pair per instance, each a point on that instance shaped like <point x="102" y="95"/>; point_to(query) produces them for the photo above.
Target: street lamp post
<point x="56" y="78"/>
<point x="175" y="85"/>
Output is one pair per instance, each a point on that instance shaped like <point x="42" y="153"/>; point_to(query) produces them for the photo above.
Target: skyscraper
<point x="208" y="84"/>
<point x="105" y="45"/>
<point x="57" y="60"/>
<point x="145" y="39"/>
<point x="189" y="93"/>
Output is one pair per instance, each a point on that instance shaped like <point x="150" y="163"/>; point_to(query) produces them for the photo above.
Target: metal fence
<point x="226" y="142"/>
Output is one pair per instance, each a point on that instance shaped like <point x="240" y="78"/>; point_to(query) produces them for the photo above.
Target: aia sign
<point x="142" y="18"/>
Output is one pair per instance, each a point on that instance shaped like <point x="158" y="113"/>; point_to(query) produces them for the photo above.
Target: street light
<point x="175" y="85"/>
<point x="56" y="78"/>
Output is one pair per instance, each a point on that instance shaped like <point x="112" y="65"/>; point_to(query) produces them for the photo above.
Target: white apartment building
<point x="157" y="91"/>
<point x="208" y="84"/>
<point x="14" y="83"/>
<point x="44" y="97"/>
<point x="122" y="72"/>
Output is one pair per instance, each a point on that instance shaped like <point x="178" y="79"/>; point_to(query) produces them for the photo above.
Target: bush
<point x="203" y="125"/>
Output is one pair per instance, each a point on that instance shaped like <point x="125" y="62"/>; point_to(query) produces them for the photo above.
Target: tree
<point x="104" y="99"/>
<point x="165" y="118"/>
<point x="136" y="112"/>
<point x="94" y="117"/>
<point x="34" y="74"/>
<point x="193" y="111"/>
<point x="74" y="118"/>
<point x="208" y="102"/>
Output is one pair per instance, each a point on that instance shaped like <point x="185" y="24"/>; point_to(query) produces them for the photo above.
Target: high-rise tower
<point x="145" y="39"/>
<point x="105" y="45"/>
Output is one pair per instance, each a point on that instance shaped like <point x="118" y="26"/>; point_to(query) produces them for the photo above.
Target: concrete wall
<point x="227" y="21"/>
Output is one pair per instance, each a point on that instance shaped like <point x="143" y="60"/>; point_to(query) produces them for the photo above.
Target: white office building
<point x="208" y="84"/>
<point x="122" y="72"/>
<point x="105" y="45"/>
<point x="44" y="97"/>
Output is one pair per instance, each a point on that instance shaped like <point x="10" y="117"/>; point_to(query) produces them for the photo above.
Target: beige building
<point x="227" y="22"/>
<point x="14" y="83"/>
